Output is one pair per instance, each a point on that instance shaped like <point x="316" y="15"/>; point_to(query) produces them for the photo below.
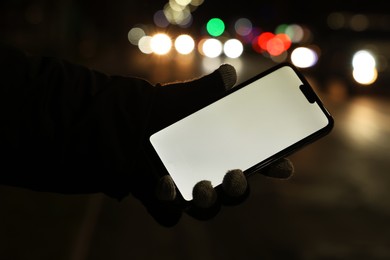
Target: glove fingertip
<point x="282" y="169"/>
<point x="166" y="189"/>
<point x="204" y="194"/>
<point x="235" y="183"/>
<point x="228" y="74"/>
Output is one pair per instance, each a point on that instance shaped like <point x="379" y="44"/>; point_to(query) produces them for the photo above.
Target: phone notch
<point x="308" y="92"/>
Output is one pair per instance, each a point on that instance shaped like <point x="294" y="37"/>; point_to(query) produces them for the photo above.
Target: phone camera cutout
<point x="308" y="92"/>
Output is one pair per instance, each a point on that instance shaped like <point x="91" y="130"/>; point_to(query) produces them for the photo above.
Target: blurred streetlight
<point x="184" y="44"/>
<point x="161" y="44"/>
<point x="364" y="67"/>
<point x="304" y="57"/>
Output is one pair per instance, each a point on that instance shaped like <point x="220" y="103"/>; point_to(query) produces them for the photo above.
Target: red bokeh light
<point x="263" y="39"/>
<point x="273" y="44"/>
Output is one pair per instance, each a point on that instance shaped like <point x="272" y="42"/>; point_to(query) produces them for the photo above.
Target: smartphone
<point x="257" y="122"/>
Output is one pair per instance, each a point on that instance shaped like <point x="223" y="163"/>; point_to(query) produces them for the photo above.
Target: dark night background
<point x="336" y="206"/>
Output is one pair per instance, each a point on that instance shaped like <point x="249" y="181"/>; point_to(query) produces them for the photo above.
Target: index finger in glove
<point x="281" y="169"/>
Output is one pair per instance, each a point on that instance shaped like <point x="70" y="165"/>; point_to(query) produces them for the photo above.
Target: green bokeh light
<point x="215" y="27"/>
<point x="281" y="28"/>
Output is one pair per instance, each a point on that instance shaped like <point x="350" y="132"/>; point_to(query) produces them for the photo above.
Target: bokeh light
<point x="215" y="27"/>
<point x="275" y="46"/>
<point x="176" y="6"/>
<point x="212" y="48"/>
<point x="161" y="44"/>
<point x="197" y="2"/>
<point x="160" y="20"/>
<point x="363" y="58"/>
<point x="135" y="34"/>
<point x="144" y="45"/>
<point x="295" y="32"/>
<point x="243" y="27"/>
<point x="187" y="21"/>
<point x="264" y="38"/>
<point x="184" y="44"/>
<point x="304" y="57"/>
<point x="285" y="39"/>
<point x="233" y="48"/>
<point x="281" y="28"/>
<point x="365" y="77"/>
<point x="182" y="2"/>
<point x="200" y="46"/>
<point x="364" y="67"/>
<point x="278" y="44"/>
<point x="177" y="14"/>
<point x="359" y="22"/>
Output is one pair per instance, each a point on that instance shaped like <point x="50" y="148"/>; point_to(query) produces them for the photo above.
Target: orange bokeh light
<point x="285" y="39"/>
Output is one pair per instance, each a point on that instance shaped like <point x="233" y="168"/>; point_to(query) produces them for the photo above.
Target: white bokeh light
<point x="365" y="76"/>
<point x="184" y="44"/>
<point x="233" y="48"/>
<point x="144" y="45"/>
<point x="212" y="48"/>
<point x="363" y="58"/>
<point x="304" y="57"/>
<point x="183" y="2"/>
<point x="364" y="67"/>
<point x="161" y="44"/>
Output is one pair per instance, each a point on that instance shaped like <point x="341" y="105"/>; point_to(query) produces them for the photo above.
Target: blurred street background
<point x="336" y="206"/>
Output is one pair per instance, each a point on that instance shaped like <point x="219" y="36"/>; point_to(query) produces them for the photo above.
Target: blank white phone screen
<point x="238" y="131"/>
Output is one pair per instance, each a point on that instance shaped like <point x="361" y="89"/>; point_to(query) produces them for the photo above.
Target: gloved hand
<point x="173" y="102"/>
<point x="69" y="129"/>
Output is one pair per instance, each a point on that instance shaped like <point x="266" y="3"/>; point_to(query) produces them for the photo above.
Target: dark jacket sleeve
<point x="66" y="128"/>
